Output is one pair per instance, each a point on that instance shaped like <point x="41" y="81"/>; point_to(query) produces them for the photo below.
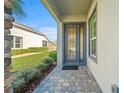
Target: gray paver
<point x="69" y="81"/>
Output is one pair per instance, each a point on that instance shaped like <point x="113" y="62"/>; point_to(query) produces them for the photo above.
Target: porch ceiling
<point x="68" y="10"/>
<point x="72" y="7"/>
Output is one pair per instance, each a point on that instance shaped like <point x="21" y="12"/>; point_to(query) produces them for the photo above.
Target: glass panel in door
<point x="81" y="42"/>
<point x="71" y="48"/>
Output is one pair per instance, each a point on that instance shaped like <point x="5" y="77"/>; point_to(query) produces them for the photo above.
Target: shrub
<point x="45" y="64"/>
<point x="22" y="77"/>
<point x="53" y="54"/>
<point x="43" y="67"/>
<point x="19" y="51"/>
<point x="19" y="80"/>
<point x="18" y="84"/>
<point x="29" y="50"/>
<point x="48" y="61"/>
<point x="32" y="73"/>
<point x="38" y="49"/>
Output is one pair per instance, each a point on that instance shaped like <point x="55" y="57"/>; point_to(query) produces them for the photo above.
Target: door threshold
<point x="72" y="64"/>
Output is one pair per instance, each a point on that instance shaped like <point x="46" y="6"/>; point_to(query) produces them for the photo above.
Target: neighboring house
<point x="88" y="35"/>
<point x="25" y="37"/>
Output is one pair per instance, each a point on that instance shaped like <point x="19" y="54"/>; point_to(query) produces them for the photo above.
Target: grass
<point x="28" y="62"/>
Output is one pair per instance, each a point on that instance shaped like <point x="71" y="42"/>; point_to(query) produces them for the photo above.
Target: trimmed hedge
<point x="23" y="77"/>
<point x="29" y="50"/>
<point x="53" y="54"/>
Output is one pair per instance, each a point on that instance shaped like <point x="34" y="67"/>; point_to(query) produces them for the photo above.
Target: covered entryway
<point x="100" y="51"/>
<point x="71" y="16"/>
<point x="74" y="44"/>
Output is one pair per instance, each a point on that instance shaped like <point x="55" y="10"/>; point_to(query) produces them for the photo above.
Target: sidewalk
<point x="26" y="54"/>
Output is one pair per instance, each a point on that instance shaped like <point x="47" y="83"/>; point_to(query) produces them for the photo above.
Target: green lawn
<point x="28" y="62"/>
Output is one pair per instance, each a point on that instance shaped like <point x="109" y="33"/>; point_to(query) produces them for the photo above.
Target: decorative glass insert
<point x="71" y="43"/>
<point x="81" y="42"/>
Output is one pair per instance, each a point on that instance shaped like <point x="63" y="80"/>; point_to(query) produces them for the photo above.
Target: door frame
<point x="84" y="45"/>
<point x="76" y="60"/>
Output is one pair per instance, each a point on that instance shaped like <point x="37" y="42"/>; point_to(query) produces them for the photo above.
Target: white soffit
<point x="72" y="7"/>
<point x="68" y="9"/>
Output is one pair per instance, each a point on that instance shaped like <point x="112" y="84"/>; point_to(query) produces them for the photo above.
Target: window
<point x="44" y="43"/>
<point x="92" y="35"/>
<point x="17" y="42"/>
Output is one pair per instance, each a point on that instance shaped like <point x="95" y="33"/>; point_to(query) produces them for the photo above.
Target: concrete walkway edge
<point x="26" y="54"/>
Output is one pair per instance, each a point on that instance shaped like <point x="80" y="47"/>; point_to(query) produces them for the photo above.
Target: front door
<point x="73" y="45"/>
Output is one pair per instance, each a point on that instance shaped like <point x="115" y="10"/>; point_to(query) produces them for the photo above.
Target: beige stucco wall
<point x="29" y="39"/>
<point x="106" y="69"/>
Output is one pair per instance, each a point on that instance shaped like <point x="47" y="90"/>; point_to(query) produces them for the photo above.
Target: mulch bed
<point x="32" y="85"/>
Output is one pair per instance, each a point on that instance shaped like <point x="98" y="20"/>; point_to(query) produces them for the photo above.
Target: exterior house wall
<point x="105" y="70"/>
<point x="30" y="39"/>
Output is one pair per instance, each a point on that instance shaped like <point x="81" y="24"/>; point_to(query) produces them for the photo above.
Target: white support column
<point x="59" y="43"/>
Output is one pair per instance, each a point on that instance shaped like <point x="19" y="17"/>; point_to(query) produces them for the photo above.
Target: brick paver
<point x="69" y="81"/>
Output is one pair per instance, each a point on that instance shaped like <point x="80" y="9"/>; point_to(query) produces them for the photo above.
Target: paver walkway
<point x="69" y="81"/>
